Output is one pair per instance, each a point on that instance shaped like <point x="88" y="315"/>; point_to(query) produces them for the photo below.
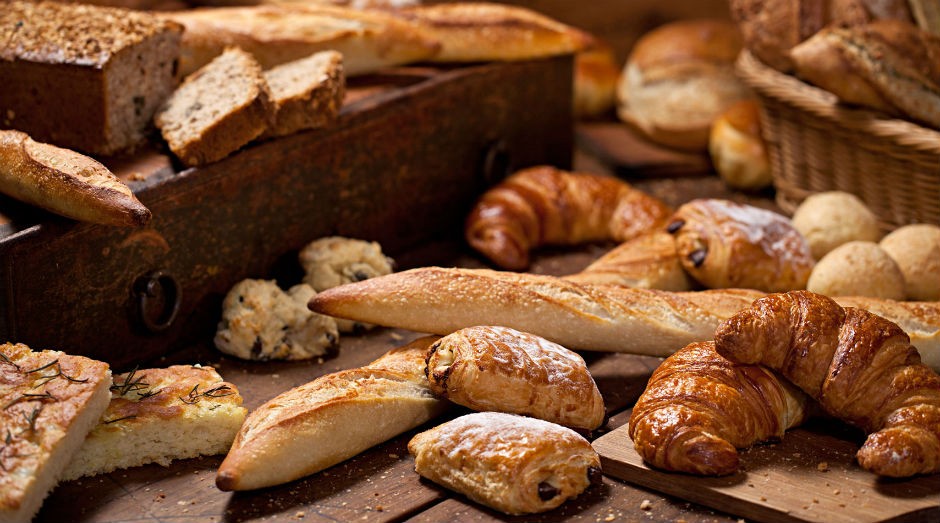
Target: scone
<point x="830" y="219"/>
<point x="50" y="401"/>
<point x="916" y="250"/>
<point x="858" y="269"/>
<point x="262" y="322"/>
<point x="159" y="415"/>
<point x="724" y="244"/>
<point x="505" y="370"/>
<point x="511" y="463"/>
<point x="335" y="260"/>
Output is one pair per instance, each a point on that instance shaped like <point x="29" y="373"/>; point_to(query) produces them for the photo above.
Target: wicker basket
<point x="816" y="144"/>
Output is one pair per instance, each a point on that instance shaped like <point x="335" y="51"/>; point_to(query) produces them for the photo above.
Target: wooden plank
<point x="810" y="476"/>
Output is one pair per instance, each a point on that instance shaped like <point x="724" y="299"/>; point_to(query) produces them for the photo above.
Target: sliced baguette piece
<point x="324" y="422"/>
<point x="306" y="93"/>
<point x="481" y="31"/>
<point x="49" y="401"/>
<point x="66" y="183"/>
<point x="160" y="415"/>
<point x="275" y="34"/>
<point x="579" y="317"/>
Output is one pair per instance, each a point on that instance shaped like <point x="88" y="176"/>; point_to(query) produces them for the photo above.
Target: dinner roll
<point x="830" y="219"/>
<point x="916" y="250"/>
<point x="737" y="149"/>
<point x="678" y="79"/>
<point x="857" y="269"/>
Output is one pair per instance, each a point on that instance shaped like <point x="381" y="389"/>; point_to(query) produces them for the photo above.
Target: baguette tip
<point x="225" y="480"/>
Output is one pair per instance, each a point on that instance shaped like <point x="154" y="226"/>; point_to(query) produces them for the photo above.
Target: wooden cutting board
<point x="810" y="476"/>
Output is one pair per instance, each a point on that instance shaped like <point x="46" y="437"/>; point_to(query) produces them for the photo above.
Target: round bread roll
<point x="830" y="219"/>
<point x="595" y="79"/>
<point x="857" y="269"/>
<point x="737" y="149"/>
<point x="916" y="250"/>
<point x="678" y="79"/>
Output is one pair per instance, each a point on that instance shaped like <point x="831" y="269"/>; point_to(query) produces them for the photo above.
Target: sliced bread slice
<point x="218" y="109"/>
<point x="48" y="403"/>
<point x="307" y="93"/>
<point x="159" y="415"/>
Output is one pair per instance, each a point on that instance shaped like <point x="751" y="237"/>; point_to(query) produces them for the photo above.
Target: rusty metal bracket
<point x="157" y="296"/>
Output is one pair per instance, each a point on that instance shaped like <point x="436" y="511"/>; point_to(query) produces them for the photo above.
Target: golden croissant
<point x="545" y="206"/>
<point x="699" y="408"/>
<point x="861" y="368"/>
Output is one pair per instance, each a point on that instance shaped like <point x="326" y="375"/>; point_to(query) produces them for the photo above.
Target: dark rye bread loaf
<point x="84" y="77"/>
<point x="218" y="109"/>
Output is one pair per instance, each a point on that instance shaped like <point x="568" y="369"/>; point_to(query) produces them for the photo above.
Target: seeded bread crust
<point x="160" y="415"/>
<point x="50" y="401"/>
<point x="84" y="77"/>
<point x="306" y="93"/>
<point x="217" y="109"/>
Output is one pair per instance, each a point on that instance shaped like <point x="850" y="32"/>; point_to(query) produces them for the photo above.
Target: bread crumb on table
<point x="823" y="466"/>
<point x="646" y="505"/>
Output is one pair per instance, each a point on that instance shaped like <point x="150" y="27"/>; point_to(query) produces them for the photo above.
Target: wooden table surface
<point x="380" y="484"/>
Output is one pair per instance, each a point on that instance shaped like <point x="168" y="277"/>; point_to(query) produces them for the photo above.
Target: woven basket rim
<point x="824" y="105"/>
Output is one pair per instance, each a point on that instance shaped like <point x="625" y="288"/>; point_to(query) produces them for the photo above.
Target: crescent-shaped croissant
<point x="699" y="408"/>
<point x="861" y="368"/>
<point x="546" y="206"/>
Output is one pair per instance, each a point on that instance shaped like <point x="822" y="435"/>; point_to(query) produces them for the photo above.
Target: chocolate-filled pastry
<point x="724" y="244"/>
<point x="504" y="370"/>
<point x="859" y="366"/>
<point x="545" y="206"/>
<point x="511" y="463"/>
<point x="699" y="408"/>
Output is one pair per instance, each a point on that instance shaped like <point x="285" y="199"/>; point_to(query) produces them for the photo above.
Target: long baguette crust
<point x="580" y="317"/>
<point x="324" y="422"/>
<point x="65" y="182"/>
<point x="650" y="261"/>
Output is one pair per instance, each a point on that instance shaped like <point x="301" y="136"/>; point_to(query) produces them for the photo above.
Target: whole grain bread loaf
<point x="84" y="77"/>
<point x="217" y="109"/>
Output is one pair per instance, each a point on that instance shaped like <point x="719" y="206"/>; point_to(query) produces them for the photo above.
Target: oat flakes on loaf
<point x="262" y="322"/>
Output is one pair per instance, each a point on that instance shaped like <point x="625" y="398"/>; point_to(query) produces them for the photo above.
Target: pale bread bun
<point x="857" y="269"/>
<point x="830" y="219"/>
<point x="595" y="80"/>
<point x="737" y="149"/>
<point x="916" y="249"/>
<point x="678" y="79"/>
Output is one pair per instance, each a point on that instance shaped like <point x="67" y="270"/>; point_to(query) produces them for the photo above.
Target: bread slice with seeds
<point x="218" y="109"/>
<point x="48" y="403"/>
<point x="159" y="415"/>
<point x="306" y="93"/>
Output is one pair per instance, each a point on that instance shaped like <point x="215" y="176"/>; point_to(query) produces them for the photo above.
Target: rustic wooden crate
<point x="411" y="151"/>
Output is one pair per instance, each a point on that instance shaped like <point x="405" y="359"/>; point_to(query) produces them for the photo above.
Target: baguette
<point x="481" y="31"/>
<point x="276" y="34"/>
<point x="579" y="317"/>
<point x="329" y="420"/>
<point x="650" y="261"/>
<point x="50" y="401"/>
<point x="65" y="182"/>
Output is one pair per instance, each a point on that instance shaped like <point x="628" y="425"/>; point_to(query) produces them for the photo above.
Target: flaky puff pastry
<point x="699" y="408"/>
<point x="505" y="370"/>
<point x="511" y="463"/>
<point x="545" y="206"/>
<point x="724" y="244"/>
<point x="859" y="366"/>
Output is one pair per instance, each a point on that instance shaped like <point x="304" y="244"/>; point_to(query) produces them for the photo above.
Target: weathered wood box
<point x="411" y="151"/>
